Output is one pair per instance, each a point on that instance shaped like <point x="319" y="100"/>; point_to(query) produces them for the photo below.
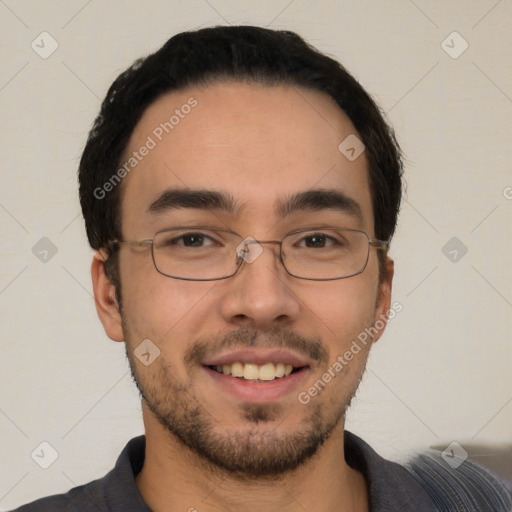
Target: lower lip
<point x="253" y="392"/>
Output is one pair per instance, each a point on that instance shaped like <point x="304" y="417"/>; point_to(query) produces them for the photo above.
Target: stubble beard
<point x="246" y="454"/>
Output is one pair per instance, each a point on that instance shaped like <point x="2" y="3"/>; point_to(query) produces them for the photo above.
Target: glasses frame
<point x="377" y="244"/>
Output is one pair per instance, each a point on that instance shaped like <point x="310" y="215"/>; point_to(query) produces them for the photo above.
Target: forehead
<point x="259" y="144"/>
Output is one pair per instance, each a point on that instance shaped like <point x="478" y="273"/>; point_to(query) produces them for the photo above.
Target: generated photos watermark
<point x="363" y="338"/>
<point x="151" y="142"/>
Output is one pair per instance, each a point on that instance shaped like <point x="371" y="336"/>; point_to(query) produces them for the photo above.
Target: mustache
<point x="251" y="338"/>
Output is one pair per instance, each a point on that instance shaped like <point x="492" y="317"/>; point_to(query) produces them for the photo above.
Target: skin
<point x="260" y="144"/>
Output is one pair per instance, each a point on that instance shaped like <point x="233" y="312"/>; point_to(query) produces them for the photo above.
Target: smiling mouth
<point x="256" y="373"/>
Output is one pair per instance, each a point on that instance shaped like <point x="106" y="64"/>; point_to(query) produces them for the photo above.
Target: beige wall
<point x="441" y="373"/>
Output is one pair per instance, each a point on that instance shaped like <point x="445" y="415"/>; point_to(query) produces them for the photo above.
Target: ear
<point x="105" y="299"/>
<point x="383" y="304"/>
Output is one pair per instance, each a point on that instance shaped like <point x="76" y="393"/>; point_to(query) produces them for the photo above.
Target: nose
<point x="260" y="295"/>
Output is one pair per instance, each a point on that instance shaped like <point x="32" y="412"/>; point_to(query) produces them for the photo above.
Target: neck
<point x="174" y="478"/>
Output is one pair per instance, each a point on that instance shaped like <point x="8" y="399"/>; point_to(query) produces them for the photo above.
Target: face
<point x="253" y="148"/>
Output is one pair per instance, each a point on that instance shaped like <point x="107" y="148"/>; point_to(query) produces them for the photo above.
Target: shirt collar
<point x="390" y="486"/>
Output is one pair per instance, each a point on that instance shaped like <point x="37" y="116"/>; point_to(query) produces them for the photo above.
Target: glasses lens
<point x="196" y="253"/>
<point x="326" y="253"/>
<point x="205" y="254"/>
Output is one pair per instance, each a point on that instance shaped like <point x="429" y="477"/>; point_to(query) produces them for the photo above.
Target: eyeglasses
<point x="209" y="254"/>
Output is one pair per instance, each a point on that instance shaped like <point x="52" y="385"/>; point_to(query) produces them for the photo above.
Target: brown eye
<point x="318" y="241"/>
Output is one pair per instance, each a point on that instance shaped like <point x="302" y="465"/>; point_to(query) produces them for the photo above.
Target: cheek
<point x="169" y="313"/>
<point x="342" y="310"/>
<point x="342" y="316"/>
<point x="159" y="307"/>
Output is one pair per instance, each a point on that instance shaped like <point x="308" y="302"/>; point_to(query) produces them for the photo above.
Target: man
<point x="240" y="190"/>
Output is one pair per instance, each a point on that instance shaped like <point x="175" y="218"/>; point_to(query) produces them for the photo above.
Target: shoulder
<point x="82" y="498"/>
<point x="391" y="487"/>
<point x="461" y="487"/>
<point x="427" y="482"/>
<point x="58" y="503"/>
<point x="115" y="491"/>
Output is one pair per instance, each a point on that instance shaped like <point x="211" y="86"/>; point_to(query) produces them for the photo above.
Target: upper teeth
<point x="251" y="371"/>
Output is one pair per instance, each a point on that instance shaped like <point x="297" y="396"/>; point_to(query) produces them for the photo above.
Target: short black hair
<point x="231" y="53"/>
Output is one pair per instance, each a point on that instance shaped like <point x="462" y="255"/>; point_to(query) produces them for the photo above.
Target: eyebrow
<point x="320" y="199"/>
<point x="173" y="199"/>
<point x="312" y="200"/>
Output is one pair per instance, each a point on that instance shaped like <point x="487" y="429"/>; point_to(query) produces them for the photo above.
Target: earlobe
<point x="383" y="305"/>
<point x="105" y="299"/>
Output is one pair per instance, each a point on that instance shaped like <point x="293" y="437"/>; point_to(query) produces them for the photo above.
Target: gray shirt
<point x="391" y="487"/>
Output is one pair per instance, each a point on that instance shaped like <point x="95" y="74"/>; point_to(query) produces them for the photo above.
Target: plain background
<point x="442" y="371"/>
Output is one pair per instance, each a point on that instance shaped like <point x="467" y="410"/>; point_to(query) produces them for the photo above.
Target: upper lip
<point x="259" y="357"/>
